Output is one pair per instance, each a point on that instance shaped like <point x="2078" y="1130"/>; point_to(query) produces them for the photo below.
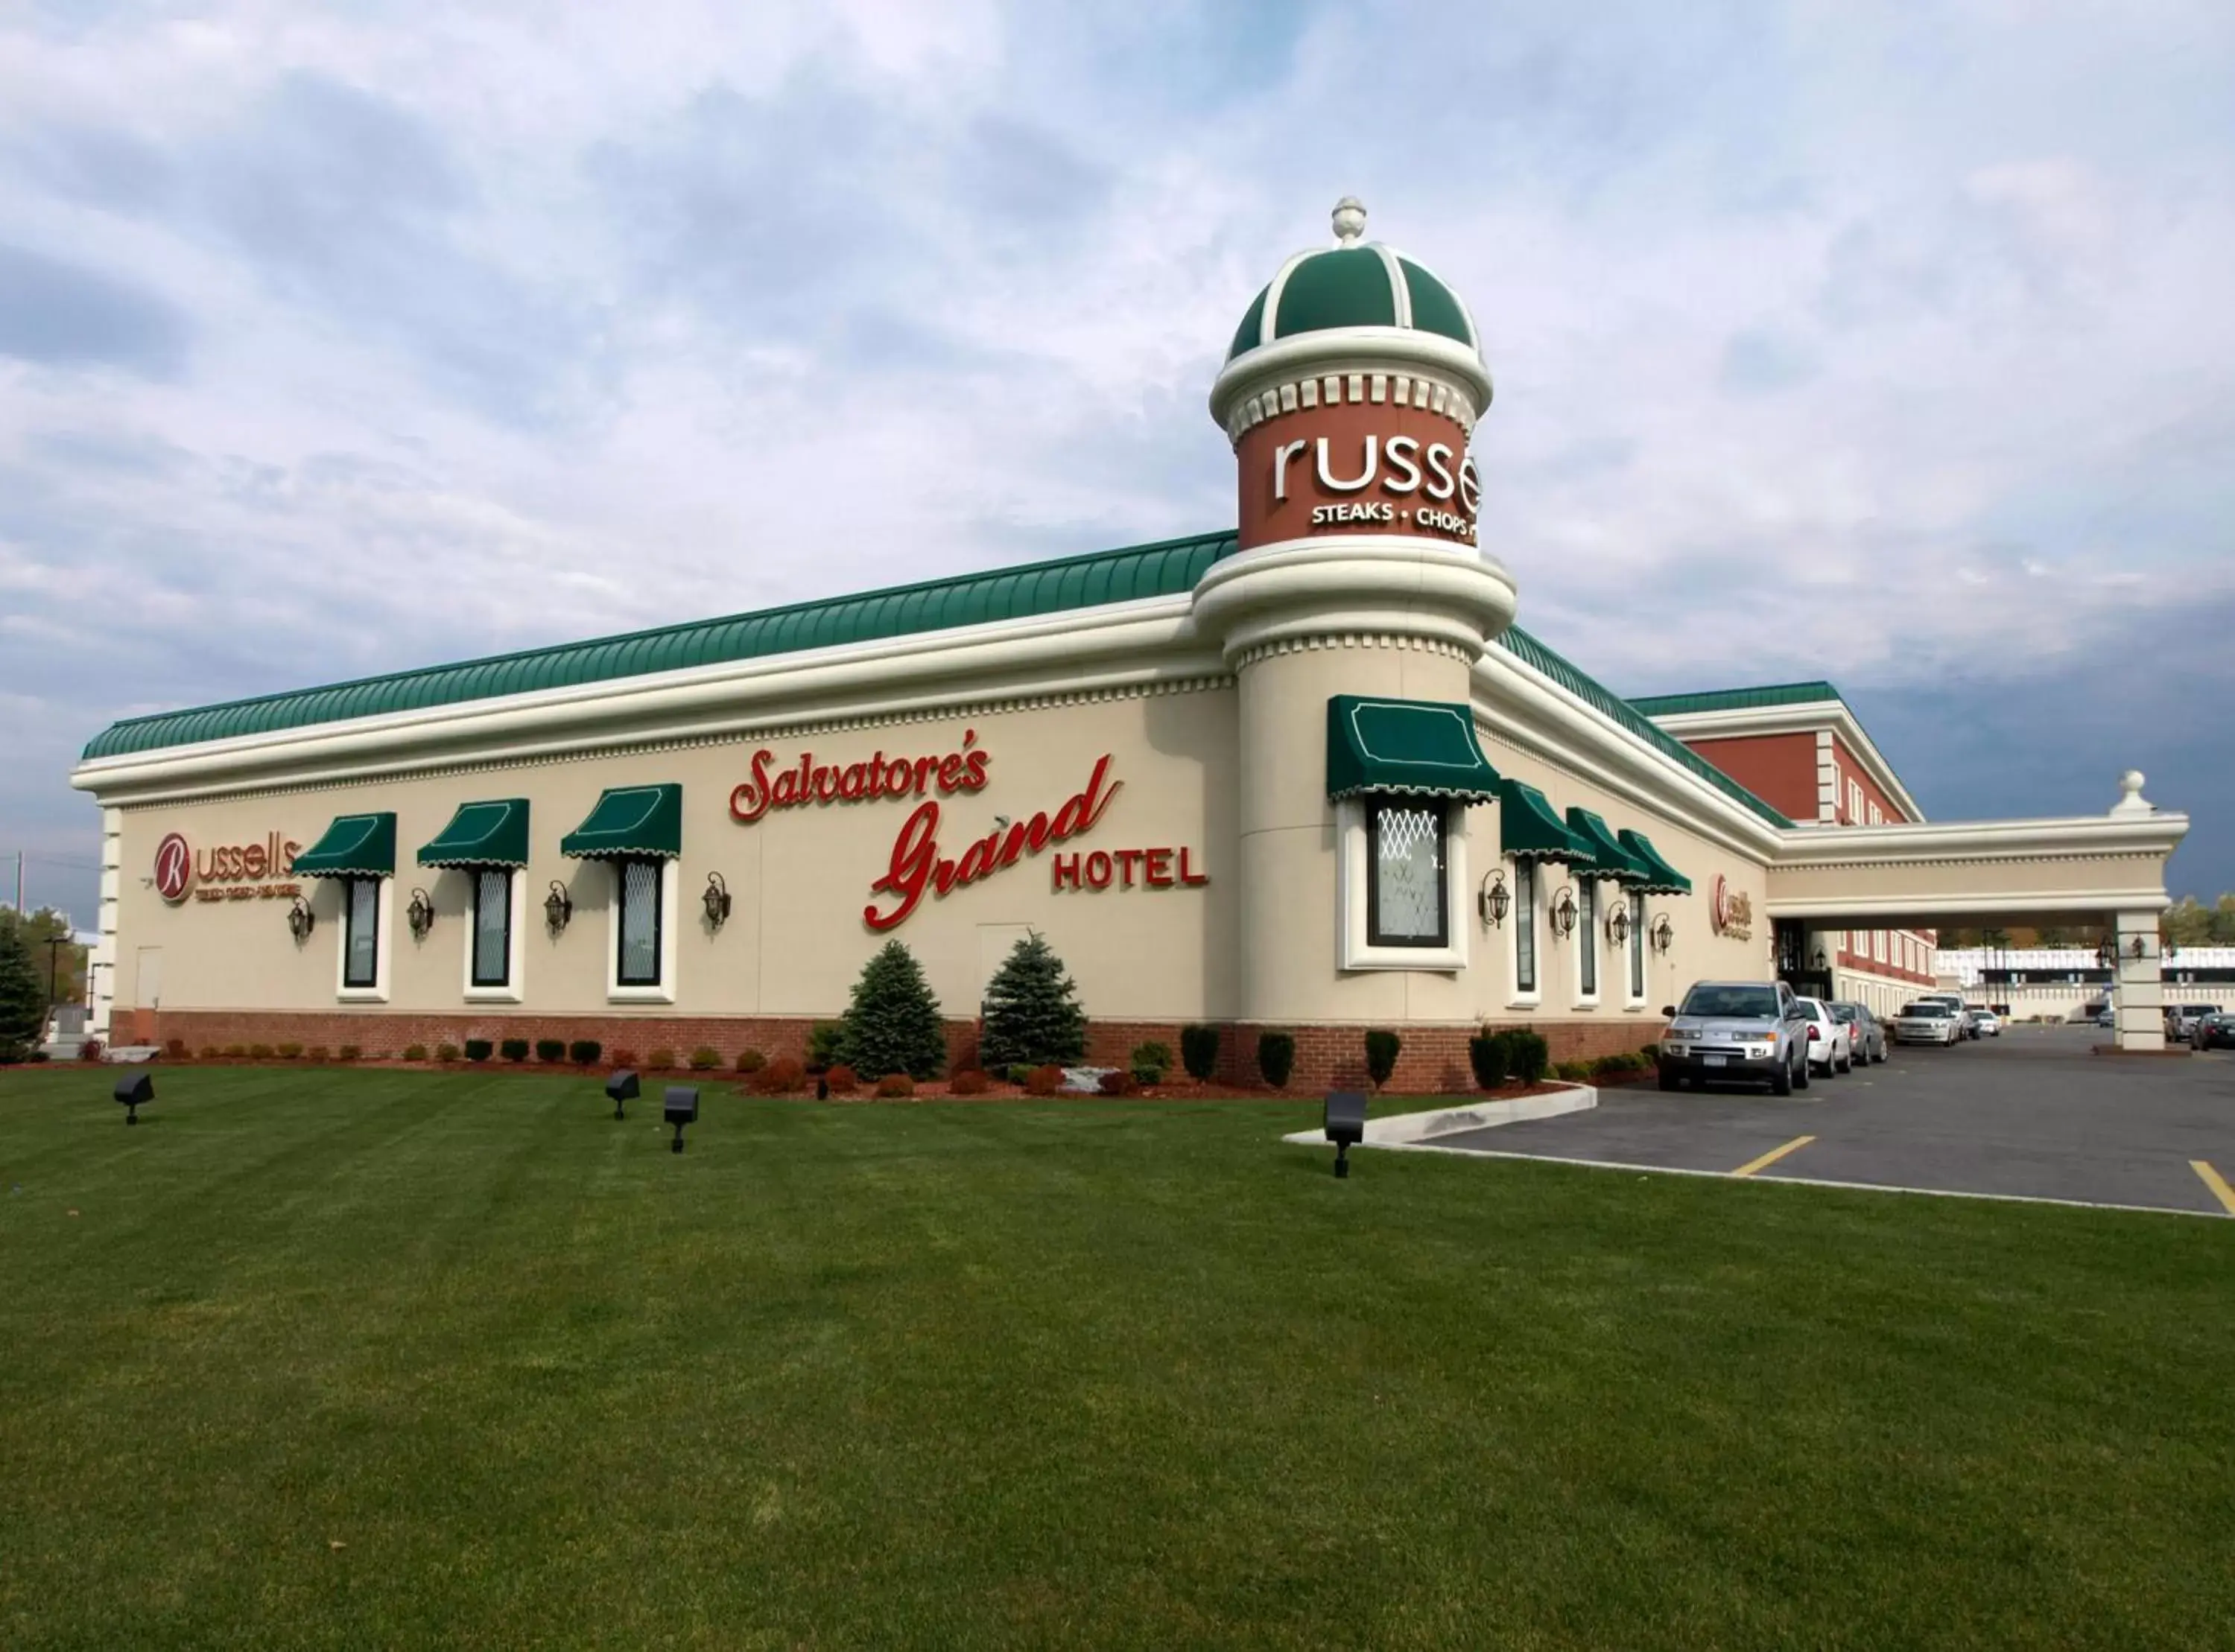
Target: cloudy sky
<point x="1889" y="344"/>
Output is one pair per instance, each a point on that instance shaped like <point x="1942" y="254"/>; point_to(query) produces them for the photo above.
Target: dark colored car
<point x="1867" y="1030"/>
<point x="2214" y="1031"/>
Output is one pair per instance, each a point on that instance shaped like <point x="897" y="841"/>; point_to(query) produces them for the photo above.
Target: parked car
<point x="2214" y="1031"/>
<point x="1830" y="1041"/>
<point x="1956" y="1007"/>
<point x="1751" y="1032"/>
<point x="2181" y="1019"/>
<point x="1865" y="1029"/>
<point x="2105" y="1018"/>
<point x="1985" y="1023"/>
<point x="1927" y="1020"/>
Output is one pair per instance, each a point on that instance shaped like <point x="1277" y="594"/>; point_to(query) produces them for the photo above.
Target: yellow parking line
<point x="2216" y="1182"/>
<point x="1776" y="1153"/>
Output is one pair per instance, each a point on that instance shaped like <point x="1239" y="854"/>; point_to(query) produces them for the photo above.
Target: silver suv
<point x="1747" y="1032"/>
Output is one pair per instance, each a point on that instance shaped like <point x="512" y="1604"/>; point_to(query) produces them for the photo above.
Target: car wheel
<point x="1800" y="1079"/>
<point x="1847" y="1065"/>
<point x="1780" y="1082"/>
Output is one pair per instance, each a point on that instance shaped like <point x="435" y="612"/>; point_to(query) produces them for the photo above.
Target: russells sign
<point x="1730" y="911"/>
<point x="1357" y="468"/>
<point x="921" y="866"/>
<point x="225" y="871"/>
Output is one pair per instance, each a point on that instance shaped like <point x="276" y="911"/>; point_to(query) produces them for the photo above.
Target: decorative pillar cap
<point x="2132" y="801"/>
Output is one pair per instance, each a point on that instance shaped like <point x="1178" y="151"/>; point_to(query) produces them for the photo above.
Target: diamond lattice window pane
<point x="492" y="929"/>
<point x="364" y="962"/>
<point x="1408" y="871"/>
<point x="640" y="922"/>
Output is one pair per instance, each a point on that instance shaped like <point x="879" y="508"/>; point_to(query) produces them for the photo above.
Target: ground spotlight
<point x="682" y="1109"/>
<point x="135" y="1093"/>
<point x="623" y="1088"/>
<point x="1346" y="1125"/>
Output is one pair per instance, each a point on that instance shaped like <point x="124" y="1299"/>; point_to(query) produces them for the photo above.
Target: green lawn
<point x="358" y="1360"/>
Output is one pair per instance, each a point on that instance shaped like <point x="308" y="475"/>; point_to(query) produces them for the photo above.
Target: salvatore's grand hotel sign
<point x="1304" y="772"/>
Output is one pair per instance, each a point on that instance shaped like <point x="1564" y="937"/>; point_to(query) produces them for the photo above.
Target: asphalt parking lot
<point x="2032" y="1115"/>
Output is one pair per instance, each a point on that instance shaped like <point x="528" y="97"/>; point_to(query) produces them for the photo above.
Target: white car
<point x="1927" y="1020"/>
<point x="1985" y="1023"/>
<point x="1831" y="1040"/>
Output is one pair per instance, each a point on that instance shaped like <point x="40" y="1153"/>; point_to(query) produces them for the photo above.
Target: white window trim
<point x="1352" y="949"/>
<point x="670" y="881"/>
<point x="383" y="948"/>
<point x="1517" y="999"/>
<point x="514" y="990"/>
<point x="1578" y="998"/>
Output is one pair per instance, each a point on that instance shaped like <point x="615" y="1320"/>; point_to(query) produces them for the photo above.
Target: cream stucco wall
<point x="800" y="876"/>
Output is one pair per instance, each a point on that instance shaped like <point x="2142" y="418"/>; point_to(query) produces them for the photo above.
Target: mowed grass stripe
<point x="1084" y="1373"/>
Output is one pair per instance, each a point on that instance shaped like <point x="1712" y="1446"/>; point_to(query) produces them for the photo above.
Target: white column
<point x="2140" y="994"/>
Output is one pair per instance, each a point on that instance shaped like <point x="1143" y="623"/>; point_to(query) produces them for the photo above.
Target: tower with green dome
<point x="1350" y="395"/>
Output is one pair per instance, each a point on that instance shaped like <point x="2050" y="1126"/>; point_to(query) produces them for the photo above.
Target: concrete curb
<point x="1418" y="1129"/>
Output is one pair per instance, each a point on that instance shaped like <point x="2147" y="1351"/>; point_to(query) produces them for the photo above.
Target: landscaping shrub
<point x="1625" y="1062"/>
<point x="448" y="1052"/>
<point x="1277" y="1057"/>
<point x="351" y="1052"/>
<point x="1487" y="1054"/>
<point x="584" y="1052"/>
<point x="1572" y="1071"/>
<point x="1649" y="1054"/>
<point x="514" y="1049"/>
<point x="969" y="1081"/>
<point x="1146" y="1076"/>
<point x="1199" y="1051"/>
<point x="259" y="1051"/>
<point x="236" y="1051"/>
<point x="659" y="1061"/>
<point x="316" y="1053"/>
<point x="1043" y="1081"/>
<point x="750" y="1060"/>
<point x="209" y="1052"/>
<point x="176" y="1050"/>
<point x="780" y="1077"/>
<point x="825" y="1041"/>
<point x="704" y="1059"/>
<point x="290" y="1051"/>
<point x="1033" y="1012"/>
<point x="892" y="1023"/>
<point x="1119" y="1083"/>
<point x="842" y="1079"/>
<point x="551" y="1051"/>
<point x="1526" y="1054"/>
<point x="1016" y="1073"/>
<point x="22" y="992"/>
<point x="1382" y="1047"/>
<point x="895" y="1086"/>
<point x="622" y="1058"/>
<point x="479" y="1050"/>
<point x="1155" y="1053"/>
<point x="88" y="1051"/>
<point x="418" y="1052"/>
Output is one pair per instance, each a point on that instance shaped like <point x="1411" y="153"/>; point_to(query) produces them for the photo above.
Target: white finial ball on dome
<point x="1349" y="219"/>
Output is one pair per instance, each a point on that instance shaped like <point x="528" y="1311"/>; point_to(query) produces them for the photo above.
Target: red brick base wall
<point x="1432" y="1060"/>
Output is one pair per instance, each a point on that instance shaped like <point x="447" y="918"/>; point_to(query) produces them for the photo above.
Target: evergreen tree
<point x="893" y="1024"/>
<point x="23" y="993"/>
<point x="1032" y="1015"/>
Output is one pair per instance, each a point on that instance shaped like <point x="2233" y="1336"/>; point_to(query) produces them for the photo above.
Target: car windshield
<point x="1810" y="1007"/>
<point x="1753" y="1002"/>
<point x="1926" y="1012"/>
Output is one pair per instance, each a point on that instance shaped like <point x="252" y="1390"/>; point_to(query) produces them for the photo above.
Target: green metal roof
<point x="1352" y="286"/>
<point x="1775" y="693"/>
<point x="482" y="834"/>
<point x="1415" y="748"/>
<point x="1527" y="649"/>
<point x="354" y="846"/>
<point x="1163" y="569"/>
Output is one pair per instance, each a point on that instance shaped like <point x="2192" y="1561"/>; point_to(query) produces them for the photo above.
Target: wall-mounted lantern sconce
<point x="420" y="914"/>
<point x="558" y="907"/>
<point x="301" y="920"/>
<point x="1618" y="925"/>
<point x="1495" y="900"/>
<point x="1564" y="912"/>
<point x="1663" y="933"/>
<point x="717" y="901"/>
<point x="1823" y="960"/>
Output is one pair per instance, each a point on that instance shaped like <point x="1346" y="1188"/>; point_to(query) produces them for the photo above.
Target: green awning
<point x="1666" y="879"/>
<point x="482" y="834"/>
<point x="1528" y="829"/>
<point x="1421" y="747"/>
<point x="1614" y="860"/>
<point x="355" y="845"/>
<point x="630" y="820"/>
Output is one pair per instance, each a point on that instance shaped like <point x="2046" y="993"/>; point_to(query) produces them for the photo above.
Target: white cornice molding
<point x="1956" y="841"/>
<point x="1115" y="647"/>
<point x="1391" y="351"/>
<point x="1801" y="717"/>
<point x="1529" y="710"/>
<point x="1884" y="912"/>
<point x="1359" y="584"/>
